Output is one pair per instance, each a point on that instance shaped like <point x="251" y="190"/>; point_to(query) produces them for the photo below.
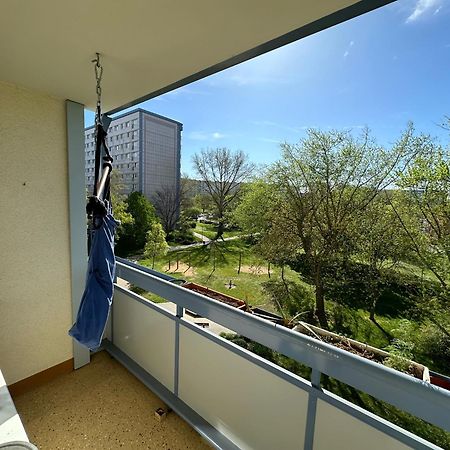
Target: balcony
<point x="101" y="406"/>
<point x="231" y="397"/>
<point x="228" y="396"/>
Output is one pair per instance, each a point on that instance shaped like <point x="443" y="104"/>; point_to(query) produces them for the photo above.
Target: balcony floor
<point x="101" y="406"/>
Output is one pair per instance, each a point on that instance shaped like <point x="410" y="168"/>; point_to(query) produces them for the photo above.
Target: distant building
<point x="146" y="150"/>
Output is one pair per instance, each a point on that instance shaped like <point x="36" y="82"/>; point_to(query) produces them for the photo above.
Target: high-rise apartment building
<point x="146" y="152"/>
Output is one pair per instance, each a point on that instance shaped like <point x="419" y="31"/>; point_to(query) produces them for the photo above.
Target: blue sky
<point x="379" y="70"/>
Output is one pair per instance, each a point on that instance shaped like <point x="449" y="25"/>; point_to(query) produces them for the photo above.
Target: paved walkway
<point x="206" y="241"/>
<point x="204" y="238"/>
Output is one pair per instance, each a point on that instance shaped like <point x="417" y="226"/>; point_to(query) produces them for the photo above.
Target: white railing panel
<point x="146" y="336"/>
<point x="414" y="396"/>
<point x="251" y="406"/>
<point x="335" y="428"/>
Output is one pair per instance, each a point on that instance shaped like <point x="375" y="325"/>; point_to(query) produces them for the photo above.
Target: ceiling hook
<point x="97" y="60"/>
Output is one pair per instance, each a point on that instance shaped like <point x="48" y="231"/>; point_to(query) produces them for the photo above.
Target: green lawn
<point x="197" y="265"/>
<point x="226" y="255"/>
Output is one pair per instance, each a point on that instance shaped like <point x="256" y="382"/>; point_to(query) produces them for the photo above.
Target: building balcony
<point x="102" y="406"/>
<point x="231" y="397"/>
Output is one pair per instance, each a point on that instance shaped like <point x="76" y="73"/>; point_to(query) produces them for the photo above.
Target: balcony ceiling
<point x="148" y="46"/>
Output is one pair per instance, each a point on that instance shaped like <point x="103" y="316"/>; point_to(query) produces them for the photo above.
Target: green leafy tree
<point x="254" y="212"/>
<point x="425" y="217"/>
<point x="382" y="244"/>
<point x="120" y="207"/>
<point x="426" y="188"/>
<point x="326" y="182"/>
<point x="155" y="244"/>
<point x="144" y="216"/>
<point x="204" y="203"/>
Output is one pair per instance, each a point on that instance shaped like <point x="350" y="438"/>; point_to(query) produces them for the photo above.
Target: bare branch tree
<point x="223" y="171"/>
<point x="166" y="201"/>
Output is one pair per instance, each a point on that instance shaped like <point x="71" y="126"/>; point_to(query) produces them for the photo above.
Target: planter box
<point x="227" y="299"/>
<point x="358" y="348"/>
<point x="234" y="302"/>
<point x="350" y="345"/>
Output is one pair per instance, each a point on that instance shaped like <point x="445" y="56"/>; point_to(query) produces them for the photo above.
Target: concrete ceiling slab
<point x="147" y="46"/>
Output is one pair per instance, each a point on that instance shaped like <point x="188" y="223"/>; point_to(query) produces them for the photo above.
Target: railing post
<point x="179" y="315"/>
<point x="311" y="412"/>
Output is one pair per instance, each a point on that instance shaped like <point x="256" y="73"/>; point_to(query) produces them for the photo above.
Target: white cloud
<point x="349" y="46"/>
<point x="203" y="136"/>
<point x="421" y="7"/>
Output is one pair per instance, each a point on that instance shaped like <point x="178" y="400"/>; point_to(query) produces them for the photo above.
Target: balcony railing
<point x="237" y="399"/>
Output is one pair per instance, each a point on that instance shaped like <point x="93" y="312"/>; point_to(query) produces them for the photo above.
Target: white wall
<point x="35" y="303"/>
<point x="146" y="336"/>
<point x="253" y="407"/>
<point x="337" y="429"/>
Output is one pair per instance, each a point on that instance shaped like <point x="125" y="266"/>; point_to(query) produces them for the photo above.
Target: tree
<point x="255" y="209"/>
<point x="155" y="244"/>
<point x="187" y="192"/>
<point x="120" y="207"/>
<point x="326" y="182"/>
<point x="426" y="189"/>
<point x="204" y="203"/>
<point x="144" y="216"/>
<point x="425" y="217"/>
<point x="167" y="205"/>
<point x="382" y="244"/>
<point x="222" y="171"/>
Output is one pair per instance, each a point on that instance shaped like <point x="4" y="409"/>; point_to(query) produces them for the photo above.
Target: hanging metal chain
<point x="98" y="76"/>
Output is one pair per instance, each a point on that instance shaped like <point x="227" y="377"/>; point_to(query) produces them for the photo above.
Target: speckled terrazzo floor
<point x="101" y="406"/>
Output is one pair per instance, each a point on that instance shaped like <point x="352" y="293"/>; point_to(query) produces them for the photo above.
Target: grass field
<point x="197" y="265"/>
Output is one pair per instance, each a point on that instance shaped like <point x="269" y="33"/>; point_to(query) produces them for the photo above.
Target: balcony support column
<point x="77" y="216"/>
<point x="312" y="406"/>
<point x="179" y="315"/>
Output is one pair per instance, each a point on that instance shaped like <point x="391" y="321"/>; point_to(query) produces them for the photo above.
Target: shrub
<point x="290" y="299"/>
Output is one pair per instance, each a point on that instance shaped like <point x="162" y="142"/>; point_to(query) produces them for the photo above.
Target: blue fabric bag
<point x="96" y="302"/>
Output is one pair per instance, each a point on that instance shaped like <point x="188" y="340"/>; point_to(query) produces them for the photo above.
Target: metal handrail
<point x="417" y="397"/>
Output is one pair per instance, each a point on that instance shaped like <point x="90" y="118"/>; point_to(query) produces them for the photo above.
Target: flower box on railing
<point x="414" y="369"/>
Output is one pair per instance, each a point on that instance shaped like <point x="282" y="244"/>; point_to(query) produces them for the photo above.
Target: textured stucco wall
<point x="35" y="303"/>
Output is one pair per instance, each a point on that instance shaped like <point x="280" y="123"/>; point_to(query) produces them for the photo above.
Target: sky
<point x="378" y="70"/>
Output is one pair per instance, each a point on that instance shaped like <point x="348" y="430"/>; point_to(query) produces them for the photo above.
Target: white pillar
<point x="77" y="215"/>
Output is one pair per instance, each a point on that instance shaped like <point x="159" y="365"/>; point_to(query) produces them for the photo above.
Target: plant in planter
<point x="400" y="355"/>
